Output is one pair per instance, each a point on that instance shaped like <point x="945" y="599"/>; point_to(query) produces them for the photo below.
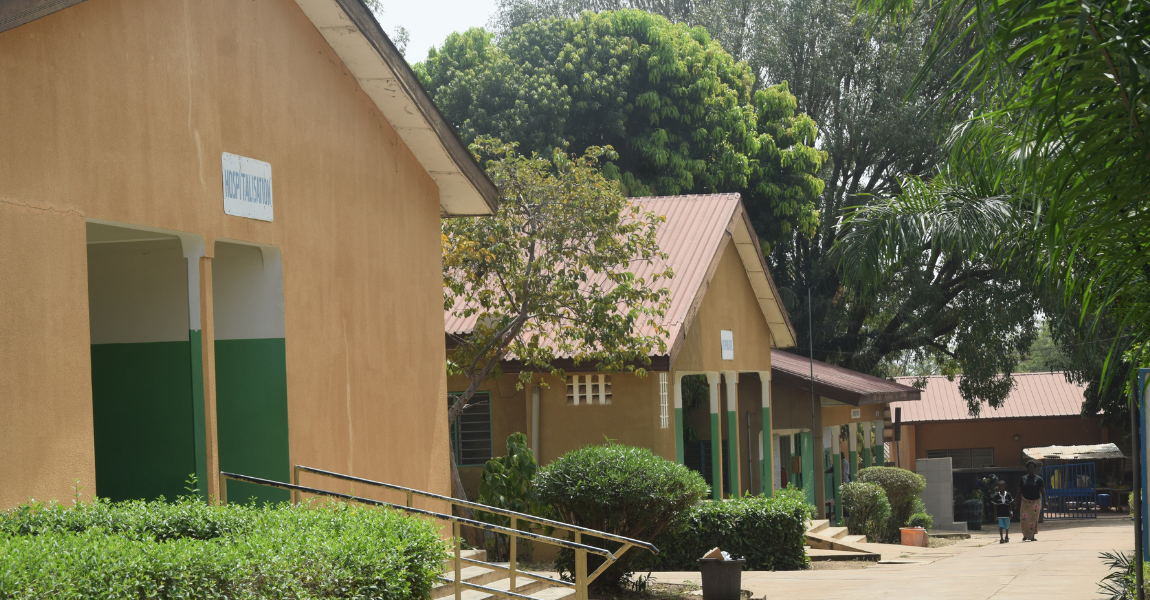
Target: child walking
<point x="1003" y="503"/>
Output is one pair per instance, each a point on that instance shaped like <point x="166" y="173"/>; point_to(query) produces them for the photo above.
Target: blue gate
<point x="1071" y="492"/>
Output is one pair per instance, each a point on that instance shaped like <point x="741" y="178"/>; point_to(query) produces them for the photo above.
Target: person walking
<point x="1003" y="509"/>
<point x="1032" y="490"/>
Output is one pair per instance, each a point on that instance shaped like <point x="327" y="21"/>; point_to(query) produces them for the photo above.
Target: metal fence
<point x="1071" y="492"/>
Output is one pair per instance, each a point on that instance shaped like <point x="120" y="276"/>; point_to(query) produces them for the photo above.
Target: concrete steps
<point x="495" y="579"/>
<point x="825" y="542"/>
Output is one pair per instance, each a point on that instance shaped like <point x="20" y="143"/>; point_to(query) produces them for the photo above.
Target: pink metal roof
<point x="691" y="237"/>
<point x="1034" y="395"/>
<point x="838" y="383"/>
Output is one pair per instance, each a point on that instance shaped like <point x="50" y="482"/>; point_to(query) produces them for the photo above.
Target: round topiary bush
<point x="920" y="519"/>
<point x="617" y="489"/>
<point x="867" y="509"/>
<point x="902" y="488"/>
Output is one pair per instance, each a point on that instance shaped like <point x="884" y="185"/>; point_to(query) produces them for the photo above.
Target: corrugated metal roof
<point x="691" y="237"/>
<point x="838" y="383"/>
<point x="1088" y="452"/>
<point x="1034" y="395"/>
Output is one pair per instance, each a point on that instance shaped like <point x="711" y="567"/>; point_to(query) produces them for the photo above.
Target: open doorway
<point x="142" y="370"/>
<point x="251" y="368"/>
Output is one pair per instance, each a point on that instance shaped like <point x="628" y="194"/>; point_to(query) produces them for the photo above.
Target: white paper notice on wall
<point x="727" y="340"/>
<point x="247" y="187"/>
<point x="856" y="413"/>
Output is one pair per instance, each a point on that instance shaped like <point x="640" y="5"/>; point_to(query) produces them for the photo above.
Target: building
<point x="722" y="292"/>
<point x="1043" y="409"/>
<point x="848" y="408"/>
<point x="219" y="247"/>
<point x="724" y="318"/>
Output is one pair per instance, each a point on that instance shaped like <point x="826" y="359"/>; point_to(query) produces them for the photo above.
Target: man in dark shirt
<point x="1003" y="505"/>
<point x="1033" y="492"/>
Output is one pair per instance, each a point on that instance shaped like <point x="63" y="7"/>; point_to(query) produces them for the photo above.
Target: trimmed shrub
<point x="188" y="549"/>
<point x="617" y="489"/>
<point x="902" y="488"/>
<point x="920" y="519"/>
<point x="867" y="509"/>
<point x="768" y="532"/>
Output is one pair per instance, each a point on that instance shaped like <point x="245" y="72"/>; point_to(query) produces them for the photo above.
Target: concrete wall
<point x="939" y="493"/>
<point x="999" y="434"/>
<point x="119" y="110"/>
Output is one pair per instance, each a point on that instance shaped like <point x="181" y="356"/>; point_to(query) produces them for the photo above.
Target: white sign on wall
<point x="727" y="340"/>
<point x="247" y="187"/>
<point x="856" y="413"/>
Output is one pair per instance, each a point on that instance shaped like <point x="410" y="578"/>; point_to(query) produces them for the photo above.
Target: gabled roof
<point x="697" y="230"/>
<point x="385" y="77"/>
<point x="1034" y="395"/>
<point x="837" y="383"/>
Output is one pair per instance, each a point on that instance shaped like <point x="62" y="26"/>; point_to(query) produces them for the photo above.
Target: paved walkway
<point x="1062" y="564"/>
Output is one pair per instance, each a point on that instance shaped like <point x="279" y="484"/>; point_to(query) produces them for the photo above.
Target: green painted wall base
<point x="142" y="419"/>
<point x="805" y="442"/>
<point x="766" y="472"/>
<point x="251" y="416"/>
<point x="733" y="463"/>
<point x="679" y="446"/>
<point x="716" y="458"/>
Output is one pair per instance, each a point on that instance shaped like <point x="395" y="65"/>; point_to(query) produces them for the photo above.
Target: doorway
<point x="251" y="368"/>
<point x="142" y="404"/>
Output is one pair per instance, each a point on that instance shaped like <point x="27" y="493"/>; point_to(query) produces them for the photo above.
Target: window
<point x="471" y="434"/>
<point x="966" y="458"/>
<point x="589" y="389"/>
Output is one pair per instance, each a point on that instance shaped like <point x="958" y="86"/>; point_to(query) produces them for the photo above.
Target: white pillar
<point x="677" y="393"/>
<point x="716" y="438"/>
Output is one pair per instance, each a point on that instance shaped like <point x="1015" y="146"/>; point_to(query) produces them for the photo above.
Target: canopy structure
<point x="1089" y="452"/>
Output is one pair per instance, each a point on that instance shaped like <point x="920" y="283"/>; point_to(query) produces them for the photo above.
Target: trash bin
<point x="1104" y="501"/>
<point x="722" y="579"/>
<point x="973" y="508"/>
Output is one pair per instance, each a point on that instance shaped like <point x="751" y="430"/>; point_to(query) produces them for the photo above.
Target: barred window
<point x="589" y="389"/>
<point x="966" y="458"/>
<point x="471" y="434"/>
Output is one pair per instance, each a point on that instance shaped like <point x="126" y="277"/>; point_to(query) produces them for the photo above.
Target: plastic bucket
<point x="722" y="579"/>
<point x="914" y="536"/>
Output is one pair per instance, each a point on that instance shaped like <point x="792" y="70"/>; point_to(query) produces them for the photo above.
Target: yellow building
<point x="219" y="247"/>
<point x="724" y="318"/>
<point x="725" y="328"/>
<point x="848" y="410"/>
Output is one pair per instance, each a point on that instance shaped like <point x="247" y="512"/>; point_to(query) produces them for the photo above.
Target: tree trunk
<point x="457" y="492"/>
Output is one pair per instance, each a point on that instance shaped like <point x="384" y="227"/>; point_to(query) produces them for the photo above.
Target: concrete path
<point x="1062" y="564"/>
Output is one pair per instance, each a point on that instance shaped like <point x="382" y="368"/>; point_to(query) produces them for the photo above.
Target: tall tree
<point x="683" y="115"/>
<point x="877" y="128"/>
<point x="552" y="274"/>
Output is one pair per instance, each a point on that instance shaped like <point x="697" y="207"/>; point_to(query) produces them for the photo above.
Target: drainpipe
<point x="535" y="421"/>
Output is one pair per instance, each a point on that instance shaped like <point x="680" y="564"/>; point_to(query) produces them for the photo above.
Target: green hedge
<point x="769" y="533"/>
<point x="902" y="489"/>
<point x="618" y="489"/>
<point x="188" y="549"/>
<point x="867" y="509"/>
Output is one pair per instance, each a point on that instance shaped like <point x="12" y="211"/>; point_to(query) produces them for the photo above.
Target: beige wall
<point x="729" y="303"/>
<point x="119" y="110"/>
<point x="999" y="434"/>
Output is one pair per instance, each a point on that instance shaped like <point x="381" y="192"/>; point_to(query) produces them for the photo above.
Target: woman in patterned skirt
<point x="1032" y="491"/>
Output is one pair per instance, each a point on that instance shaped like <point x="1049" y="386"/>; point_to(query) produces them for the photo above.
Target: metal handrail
<point x="476" y="506"/>
<point x="224" y="476"/>
<point x="582" y="578"/>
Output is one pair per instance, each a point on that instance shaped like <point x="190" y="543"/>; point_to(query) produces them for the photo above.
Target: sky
<point x="430" y="21"/>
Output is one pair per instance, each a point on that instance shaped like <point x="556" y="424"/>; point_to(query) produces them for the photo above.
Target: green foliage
<point x="189" y="549"/>
<point x="553" y="272"/>
<point x="506" y="483"/>
<point x="617" y="489"/>
<point x="867" y="508"/>
<point x="684" y="116"/>
<point x="902" y="489"/>
<point x="769" y="532"/>
<point x="920" y="519"/>
<point x="1121" y="583"/>
<point x="1065" y="90"/>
